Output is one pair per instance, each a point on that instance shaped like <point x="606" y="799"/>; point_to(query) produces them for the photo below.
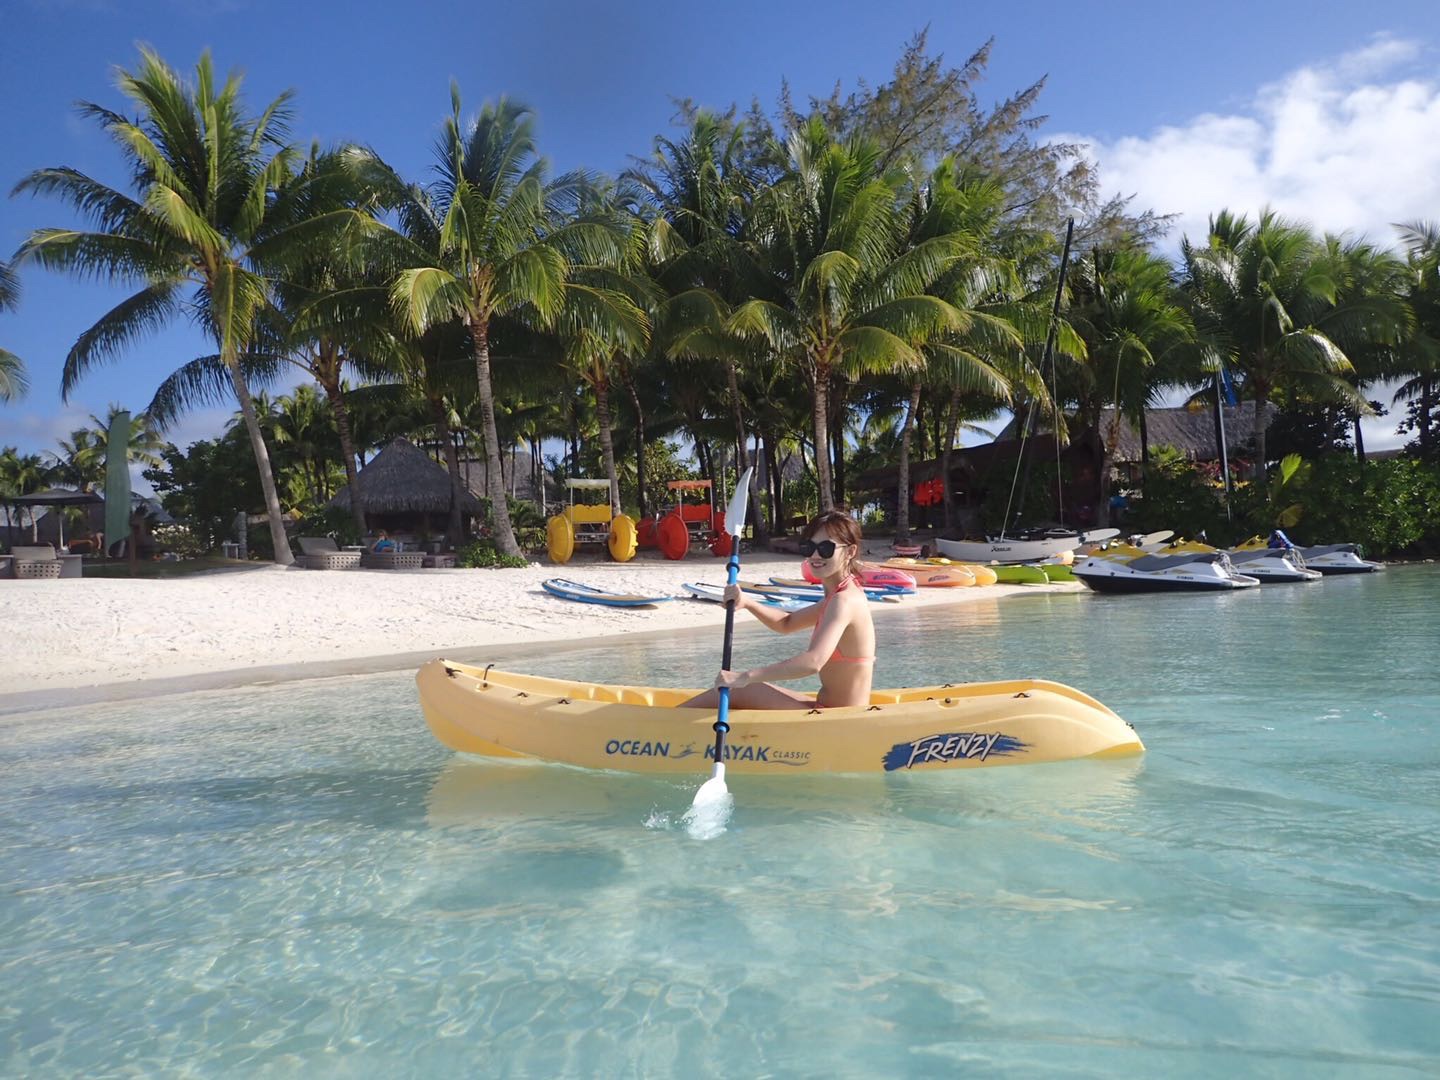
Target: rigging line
<point x="1046" y="357"/>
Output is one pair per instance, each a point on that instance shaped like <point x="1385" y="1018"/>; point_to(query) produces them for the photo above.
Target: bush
<point x="331" y="521"/>
<point x="181" y="540"/>
<point x="483" y="554"/>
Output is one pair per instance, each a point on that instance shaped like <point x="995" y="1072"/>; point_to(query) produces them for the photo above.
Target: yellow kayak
<point x="643" y="729"/>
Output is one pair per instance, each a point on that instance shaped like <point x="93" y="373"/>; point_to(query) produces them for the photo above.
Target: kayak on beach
<point x="479" y="710"/>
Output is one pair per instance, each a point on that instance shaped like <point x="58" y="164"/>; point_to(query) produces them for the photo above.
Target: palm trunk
<point x="283" y="555"/>
<point x="1260" y="418"/>
<point x="607" y="442"/>
<point x="639" y="446"/>
<point x="1144" y="444"/>
<point x="757" y="516"/>
<point x="822" y="437"/>
<point x="1359" y="443"/>
<point x="494" y="482"/>
<point x="952" y="426"/>
<point x="902" y="493"/>
<point x="777" y="477"/>
<point x="1426" y="392"/>
<point x="347" y="451"/>
<point x="455" y="527"/>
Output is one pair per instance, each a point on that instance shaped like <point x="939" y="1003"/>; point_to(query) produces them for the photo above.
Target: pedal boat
<point x="643" y="729"/>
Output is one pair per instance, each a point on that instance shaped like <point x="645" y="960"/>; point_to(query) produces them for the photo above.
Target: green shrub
<point x="331" y="521"/>
<point x="483" y="554"/>
<point x="180" y="539"/>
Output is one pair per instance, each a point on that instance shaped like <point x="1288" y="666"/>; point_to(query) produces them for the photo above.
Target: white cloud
<point x="1353" y="145"/>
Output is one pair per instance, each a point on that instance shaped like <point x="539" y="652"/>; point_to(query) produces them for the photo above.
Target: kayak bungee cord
<point x="711" y="807"/>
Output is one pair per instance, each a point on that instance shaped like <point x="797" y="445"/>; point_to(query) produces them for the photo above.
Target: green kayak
<point x="1020" y="574"/>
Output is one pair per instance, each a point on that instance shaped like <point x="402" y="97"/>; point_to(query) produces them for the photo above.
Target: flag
<point x="1229" y="386"/>
<point x="117" y="480"/>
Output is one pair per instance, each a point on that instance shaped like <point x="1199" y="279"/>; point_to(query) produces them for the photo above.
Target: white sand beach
<point x="96" y="632"/>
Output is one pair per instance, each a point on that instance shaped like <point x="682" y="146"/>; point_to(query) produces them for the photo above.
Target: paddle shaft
<point x="722" y="716"/>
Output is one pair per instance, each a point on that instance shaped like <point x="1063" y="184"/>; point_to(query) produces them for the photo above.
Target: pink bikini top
<point x="838" y="657"/>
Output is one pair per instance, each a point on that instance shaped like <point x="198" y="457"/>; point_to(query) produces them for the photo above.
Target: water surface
<point x="298" y="880"/>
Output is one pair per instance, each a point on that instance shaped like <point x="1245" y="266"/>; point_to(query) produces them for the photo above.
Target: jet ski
<point x="1183" y="567"/>
<point x="1323" y="558"/>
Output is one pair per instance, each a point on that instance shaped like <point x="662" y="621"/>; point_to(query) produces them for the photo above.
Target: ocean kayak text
<point x="645" y="748"/>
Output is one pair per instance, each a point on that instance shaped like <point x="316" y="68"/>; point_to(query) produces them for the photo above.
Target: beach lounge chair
<point x="323" y="553"/>
<point x="440" y="561"/>
<point x="40" y="561"/>
<point x="392" y="560"/>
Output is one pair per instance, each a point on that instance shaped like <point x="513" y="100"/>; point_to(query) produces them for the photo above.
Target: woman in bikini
<point x="842" y="637"/>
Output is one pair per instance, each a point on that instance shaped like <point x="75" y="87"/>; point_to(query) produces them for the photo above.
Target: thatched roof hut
<point x="406" y="490"/>
<point x="1191" y="431"/>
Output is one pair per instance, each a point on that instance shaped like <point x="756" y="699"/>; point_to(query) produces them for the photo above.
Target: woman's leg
<point x="754" y="696"/>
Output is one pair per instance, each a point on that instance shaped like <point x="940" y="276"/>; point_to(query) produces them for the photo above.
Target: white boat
<point x="1124" y="571"/>
<point x="1025" y="549"/>
<point x="1273" y="564"/>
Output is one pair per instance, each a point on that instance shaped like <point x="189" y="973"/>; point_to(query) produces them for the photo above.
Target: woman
<point x="842" y="641"/>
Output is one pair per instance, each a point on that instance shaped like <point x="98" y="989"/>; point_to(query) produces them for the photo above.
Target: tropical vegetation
<point x="834" y="293"/>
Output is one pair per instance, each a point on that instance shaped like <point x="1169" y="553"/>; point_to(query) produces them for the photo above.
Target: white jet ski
<point x="1125" y="569"/>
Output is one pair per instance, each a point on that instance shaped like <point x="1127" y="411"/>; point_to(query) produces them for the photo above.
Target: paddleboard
<point x="715" y="594"/>
<point x="588" y="594"/>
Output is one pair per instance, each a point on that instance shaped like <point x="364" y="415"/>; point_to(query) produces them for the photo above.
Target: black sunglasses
<point x="826" y="548"/>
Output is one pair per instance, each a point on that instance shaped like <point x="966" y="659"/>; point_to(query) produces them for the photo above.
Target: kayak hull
<point x="642" y="729"/>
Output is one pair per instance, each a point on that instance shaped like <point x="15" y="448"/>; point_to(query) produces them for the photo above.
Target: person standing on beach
<point x="842" y="638"/>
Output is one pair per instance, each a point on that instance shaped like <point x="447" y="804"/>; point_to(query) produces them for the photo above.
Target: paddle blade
<point x="709" y="813"/>
<point x="739" y="504"/>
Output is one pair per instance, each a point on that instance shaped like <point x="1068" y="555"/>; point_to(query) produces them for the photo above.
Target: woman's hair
<point x="841" y="527"/>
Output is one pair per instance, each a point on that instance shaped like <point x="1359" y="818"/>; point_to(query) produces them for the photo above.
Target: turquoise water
<point x="297" y="880"/>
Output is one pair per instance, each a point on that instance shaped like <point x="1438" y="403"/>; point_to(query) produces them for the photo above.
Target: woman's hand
<point x="732" y="679"/>
<point x="736" y="595"/>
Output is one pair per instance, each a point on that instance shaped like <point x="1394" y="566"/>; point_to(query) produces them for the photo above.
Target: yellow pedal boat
<point x="642" y="729"/>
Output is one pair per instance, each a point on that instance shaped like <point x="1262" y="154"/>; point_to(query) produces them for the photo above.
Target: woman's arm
<point x="782" y="622"/>
<point x="822" y="646"/>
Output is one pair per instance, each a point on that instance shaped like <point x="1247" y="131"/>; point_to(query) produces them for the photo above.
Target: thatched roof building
<point x="406" y="491"/>
<point x="1191" y="431"/>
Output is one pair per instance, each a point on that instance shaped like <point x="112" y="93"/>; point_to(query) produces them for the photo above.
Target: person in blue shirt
<point x="1279" y="540"/>
<point x="383" y="543"/>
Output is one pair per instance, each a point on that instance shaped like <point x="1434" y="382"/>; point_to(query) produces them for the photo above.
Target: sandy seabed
<point x="94" y="638"/>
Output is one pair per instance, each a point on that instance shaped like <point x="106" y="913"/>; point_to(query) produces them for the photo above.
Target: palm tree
<point x="1421" y="347"/>
<point x="1254" y="292"/>
<point x="491" y="239"/>
<point x="844" y="296"/>
<point x="22" y="474"/>
<point x="213" y="213"/>
<point x="13" y="382"/>
<point x="1124" y="306"/>
<point x="1369" y="317"/>
<point x="702" y="191"/>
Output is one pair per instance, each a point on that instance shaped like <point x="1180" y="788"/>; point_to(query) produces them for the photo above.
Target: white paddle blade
<point x="710" y="812"/>
<point x="739" y="503"/>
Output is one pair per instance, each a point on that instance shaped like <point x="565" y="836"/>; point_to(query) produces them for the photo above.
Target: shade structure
<point x="402" y="479"/>
<point x="56" y="497"/>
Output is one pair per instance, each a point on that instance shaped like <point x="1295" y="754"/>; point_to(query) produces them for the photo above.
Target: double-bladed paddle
<point x="713" y="795"/>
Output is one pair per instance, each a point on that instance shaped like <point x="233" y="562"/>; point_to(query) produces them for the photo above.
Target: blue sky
<point x="1328" y="110"/>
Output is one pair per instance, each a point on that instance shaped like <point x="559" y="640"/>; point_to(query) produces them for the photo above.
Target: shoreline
<point x="95" y="640"/>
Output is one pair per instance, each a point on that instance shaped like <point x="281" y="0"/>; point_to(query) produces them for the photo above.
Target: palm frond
<point x="145" y="312"/>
